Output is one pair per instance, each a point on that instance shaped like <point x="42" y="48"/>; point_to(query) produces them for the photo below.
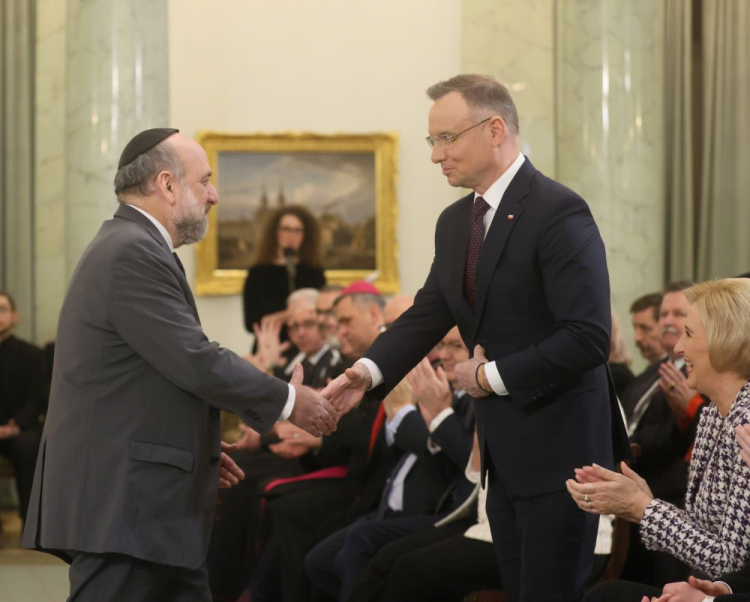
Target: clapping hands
<point x="431" y="389"/>
<point x="692" y="590"/>
<point x="270" y="348"/>
<point x="597" y="490"/>
<point x="675" y="388"/>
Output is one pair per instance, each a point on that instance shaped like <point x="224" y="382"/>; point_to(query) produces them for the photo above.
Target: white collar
<point x="494" y="194"/>
<point x="314" y="359"/>
<point x="158" y="224"/>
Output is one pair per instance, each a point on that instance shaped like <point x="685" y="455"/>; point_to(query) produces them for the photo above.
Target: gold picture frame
<point x="242" y="152"/>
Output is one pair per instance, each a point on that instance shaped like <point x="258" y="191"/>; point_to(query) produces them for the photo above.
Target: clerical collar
<point x="159" y="226"/>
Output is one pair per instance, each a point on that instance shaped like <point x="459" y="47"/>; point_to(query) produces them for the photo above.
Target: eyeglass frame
<point x="446" y="140"/>
<point x="290" y="229"/>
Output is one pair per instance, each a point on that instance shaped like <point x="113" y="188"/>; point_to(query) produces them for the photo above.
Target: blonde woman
<point x="711" y="533"/>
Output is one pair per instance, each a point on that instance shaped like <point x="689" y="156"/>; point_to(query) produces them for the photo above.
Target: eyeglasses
<point x="446" y="140"/>
<point x="306" y="324"/>
<point x="291" y="230"/>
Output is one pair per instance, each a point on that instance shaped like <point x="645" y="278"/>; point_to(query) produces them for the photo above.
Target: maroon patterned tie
<point x="475" y="244"/>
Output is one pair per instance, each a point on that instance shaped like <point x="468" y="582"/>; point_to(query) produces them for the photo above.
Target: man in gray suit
<point x="130" y="459"/>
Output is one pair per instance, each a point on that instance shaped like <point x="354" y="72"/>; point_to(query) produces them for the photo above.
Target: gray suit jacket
<point x="129" y="458"/>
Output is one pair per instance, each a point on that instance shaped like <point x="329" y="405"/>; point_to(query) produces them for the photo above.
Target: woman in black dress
<point x="288" y="259"/>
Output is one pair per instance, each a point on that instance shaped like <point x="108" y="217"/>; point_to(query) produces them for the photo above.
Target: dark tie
<point x="383" y="506"/>
<point x="179" y="263"/>
<point x="307" y="371"/>
<point x="475" y="245"/>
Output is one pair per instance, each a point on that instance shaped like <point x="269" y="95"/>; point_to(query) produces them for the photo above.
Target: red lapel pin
<point x="510" y="216"/>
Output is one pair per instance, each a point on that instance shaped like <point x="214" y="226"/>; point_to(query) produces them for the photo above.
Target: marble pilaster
<point x="116" y="86"/>
<point x="610" y="139"/>
<point x="49" y="174"/>
<point x="514" y="41"/>
<point x="102" y="76"/>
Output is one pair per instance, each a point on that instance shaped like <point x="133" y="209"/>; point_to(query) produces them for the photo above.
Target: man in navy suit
<point x="520" y="267"/>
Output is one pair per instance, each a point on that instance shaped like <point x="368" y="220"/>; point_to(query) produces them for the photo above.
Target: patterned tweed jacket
<point x="712" y="533"/>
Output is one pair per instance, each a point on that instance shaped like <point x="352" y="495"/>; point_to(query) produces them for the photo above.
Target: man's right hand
<point x="346" y="391"/>
<point x="312" y="412"/>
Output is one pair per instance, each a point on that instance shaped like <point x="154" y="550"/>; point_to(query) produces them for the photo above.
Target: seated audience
<point x="320" y="362"/>
<point x="431" y="427"/>
<point x="661" y="413"/>
<point x="283" y="452"/>
<point x="733" y="587"/>
<point x="24" y="388"/>
<point x="711" y="533"/>
<point x="324" y="312"/>
<point x="304" y="513"/>
<point x="445" y="563"/>
<point x="647" y="335"/>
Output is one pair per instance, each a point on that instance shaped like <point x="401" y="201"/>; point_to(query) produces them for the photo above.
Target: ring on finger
<point x="586" y="498"/>
<point x="672" y="387"/>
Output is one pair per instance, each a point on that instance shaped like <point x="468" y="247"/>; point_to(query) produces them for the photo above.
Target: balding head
<point x="395" y="307"/>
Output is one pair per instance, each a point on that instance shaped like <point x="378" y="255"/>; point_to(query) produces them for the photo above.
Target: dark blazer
<point x="740" y="584"/>
<point x="542" y="313"/>
<point x="267" y="287"/>
<point x="24" y="383"/>
<point x="129" y="461"/>
<point x="432" y="473"/>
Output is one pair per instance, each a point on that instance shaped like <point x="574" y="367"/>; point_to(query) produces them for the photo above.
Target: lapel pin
<point x="510" y="216"/>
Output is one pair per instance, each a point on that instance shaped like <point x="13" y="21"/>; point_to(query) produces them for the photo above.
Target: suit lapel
<point x="126" y="212"/>
<point x="506" y="217"/>
<point x="458" y="247"/>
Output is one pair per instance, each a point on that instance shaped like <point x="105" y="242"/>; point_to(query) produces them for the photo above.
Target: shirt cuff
<point x="725" y="584"/>
<point x="289" y="406"/>
<point x="493" y="377"/>
<point x="392" y="426"/>
<point x="438" y="420"/>
<point x="375" y="373"/>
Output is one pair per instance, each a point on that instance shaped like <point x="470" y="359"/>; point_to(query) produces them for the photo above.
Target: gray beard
<point x="190" y="229"/>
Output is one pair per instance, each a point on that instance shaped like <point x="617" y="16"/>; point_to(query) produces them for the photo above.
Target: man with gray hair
<point x="520" y="267"/>
<point x="130" y="459"/>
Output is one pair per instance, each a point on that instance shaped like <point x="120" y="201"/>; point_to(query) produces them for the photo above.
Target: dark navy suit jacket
<point x="543" y="314"/>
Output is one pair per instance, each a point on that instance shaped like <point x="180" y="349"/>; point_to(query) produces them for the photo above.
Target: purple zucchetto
<point x="143" y="142"/>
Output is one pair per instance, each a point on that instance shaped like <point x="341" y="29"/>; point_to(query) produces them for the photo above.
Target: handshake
<point x="319" y="413"/>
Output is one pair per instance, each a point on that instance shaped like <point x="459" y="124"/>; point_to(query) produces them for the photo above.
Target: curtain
<point x="707" y="95"/>
<point x="680" y="164"/>
<point x="724" y="233"/>
<point x="17" y="42"/>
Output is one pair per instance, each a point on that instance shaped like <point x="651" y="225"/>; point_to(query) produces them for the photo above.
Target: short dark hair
<point x="10" y="299"/>
<point x="678" y="286"/>
<point x="651" y="301"/>
<point x="361" y="299"/>
<point x="481" y="92"/>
